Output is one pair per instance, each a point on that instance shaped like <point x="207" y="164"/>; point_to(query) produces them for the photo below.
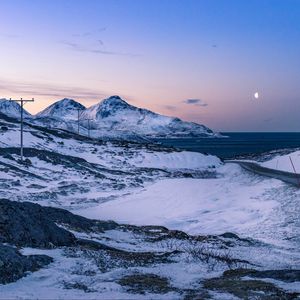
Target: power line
<point x="78" y="118"/>
<point x="89" y="127"/>
<point x="294" y="169"/>
<point x="78" y="110"/>
<point x="22" y="102"/>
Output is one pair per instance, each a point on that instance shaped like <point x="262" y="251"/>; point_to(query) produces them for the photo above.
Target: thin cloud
<point x="80" y="48"/>
<point x="170" y="107"/>
<point x="196" y="102"/>
<point x="49" y="90"/>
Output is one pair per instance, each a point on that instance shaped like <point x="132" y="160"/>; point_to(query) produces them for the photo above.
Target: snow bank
<point x="177" y="160"/>
<point x="283" y="162"/>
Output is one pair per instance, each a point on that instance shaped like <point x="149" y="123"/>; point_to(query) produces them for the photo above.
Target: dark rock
<point x="142" y="283"/>
<point x="233" y="283"/>
<point x="230" y="235"/>
<point x="36" y="186"/>
<point x="282" y="275"/>
<point x="27" y="224"/>
<point x="77" y="286"/>
<point x="4" y="128"/>
<point x="76" y="222"/>
<point x="107" y="258"/>
<point x="14" y="265"/>
<point x="232" y="238"/>
<point x="27" y="162"/>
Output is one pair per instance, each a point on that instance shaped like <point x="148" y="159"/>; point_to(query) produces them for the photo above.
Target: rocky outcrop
<point x="14" y="265"/>
<point x="30" y="225"/>
<point x="27" y="224"/>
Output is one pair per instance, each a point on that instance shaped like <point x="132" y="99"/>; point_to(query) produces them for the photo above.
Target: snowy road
<point x="285" y="176"/>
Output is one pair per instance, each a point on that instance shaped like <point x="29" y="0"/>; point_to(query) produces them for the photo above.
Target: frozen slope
<point x="85" y="171"/>
<point x="12" y="109"/>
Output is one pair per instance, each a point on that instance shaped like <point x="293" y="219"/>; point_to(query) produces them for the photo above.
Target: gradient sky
<point x="199" y="60"/>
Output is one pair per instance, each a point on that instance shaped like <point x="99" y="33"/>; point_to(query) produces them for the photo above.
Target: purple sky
<point x="199" y="60"/>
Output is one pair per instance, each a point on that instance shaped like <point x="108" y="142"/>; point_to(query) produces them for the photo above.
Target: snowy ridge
<point x="12" y="109"/>
<point x="64" y="109"/>
<point x="115" y="113"/>
<point x="112" y="118"/>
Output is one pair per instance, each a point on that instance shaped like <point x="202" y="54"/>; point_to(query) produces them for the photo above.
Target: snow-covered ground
<point x="234" y="202"/>
<point x="177" y="160"/>
<point x="148" y="192"/>
<point x="145" y="185"/>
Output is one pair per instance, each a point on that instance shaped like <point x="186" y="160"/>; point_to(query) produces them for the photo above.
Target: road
<point x="292" y="178"/>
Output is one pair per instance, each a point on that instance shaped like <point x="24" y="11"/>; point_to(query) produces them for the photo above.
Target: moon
<point x="256" y="95"/>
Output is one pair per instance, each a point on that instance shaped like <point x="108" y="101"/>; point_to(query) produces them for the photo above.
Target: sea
<point x="237" y="143"/>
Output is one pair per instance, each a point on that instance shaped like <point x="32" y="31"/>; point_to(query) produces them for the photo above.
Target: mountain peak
<point x="108" y="107"/>
<point x="66" y="100"/>
<point x="113" y="100"/>
<point x="115" y="97"/>
<point x="66" y="107"/>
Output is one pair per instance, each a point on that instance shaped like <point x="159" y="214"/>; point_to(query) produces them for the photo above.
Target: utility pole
<point x="78" y="115"/>
<point x="89" y="128"/>
<point x="22" y="102"/>
<point x="78" y="119"/>
<point x="88" y="125"/>
<point x="294" y="170"/>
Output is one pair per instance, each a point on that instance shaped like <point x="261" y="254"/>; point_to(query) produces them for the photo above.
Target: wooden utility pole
<point x="89" y="128"/>
<point x="22" y="102"/>
<point x="78" y="120"/>
<point x="88" y="125"/>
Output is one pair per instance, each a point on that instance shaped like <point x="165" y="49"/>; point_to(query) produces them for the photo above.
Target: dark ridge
<point x="14" y="265"/>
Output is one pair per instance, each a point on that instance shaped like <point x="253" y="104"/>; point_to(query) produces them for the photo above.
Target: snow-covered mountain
<point x="114" y="113"/>
<point x="64" y="109"/>
<point x="12" y="109"/>
<point x="112" y="118"/>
